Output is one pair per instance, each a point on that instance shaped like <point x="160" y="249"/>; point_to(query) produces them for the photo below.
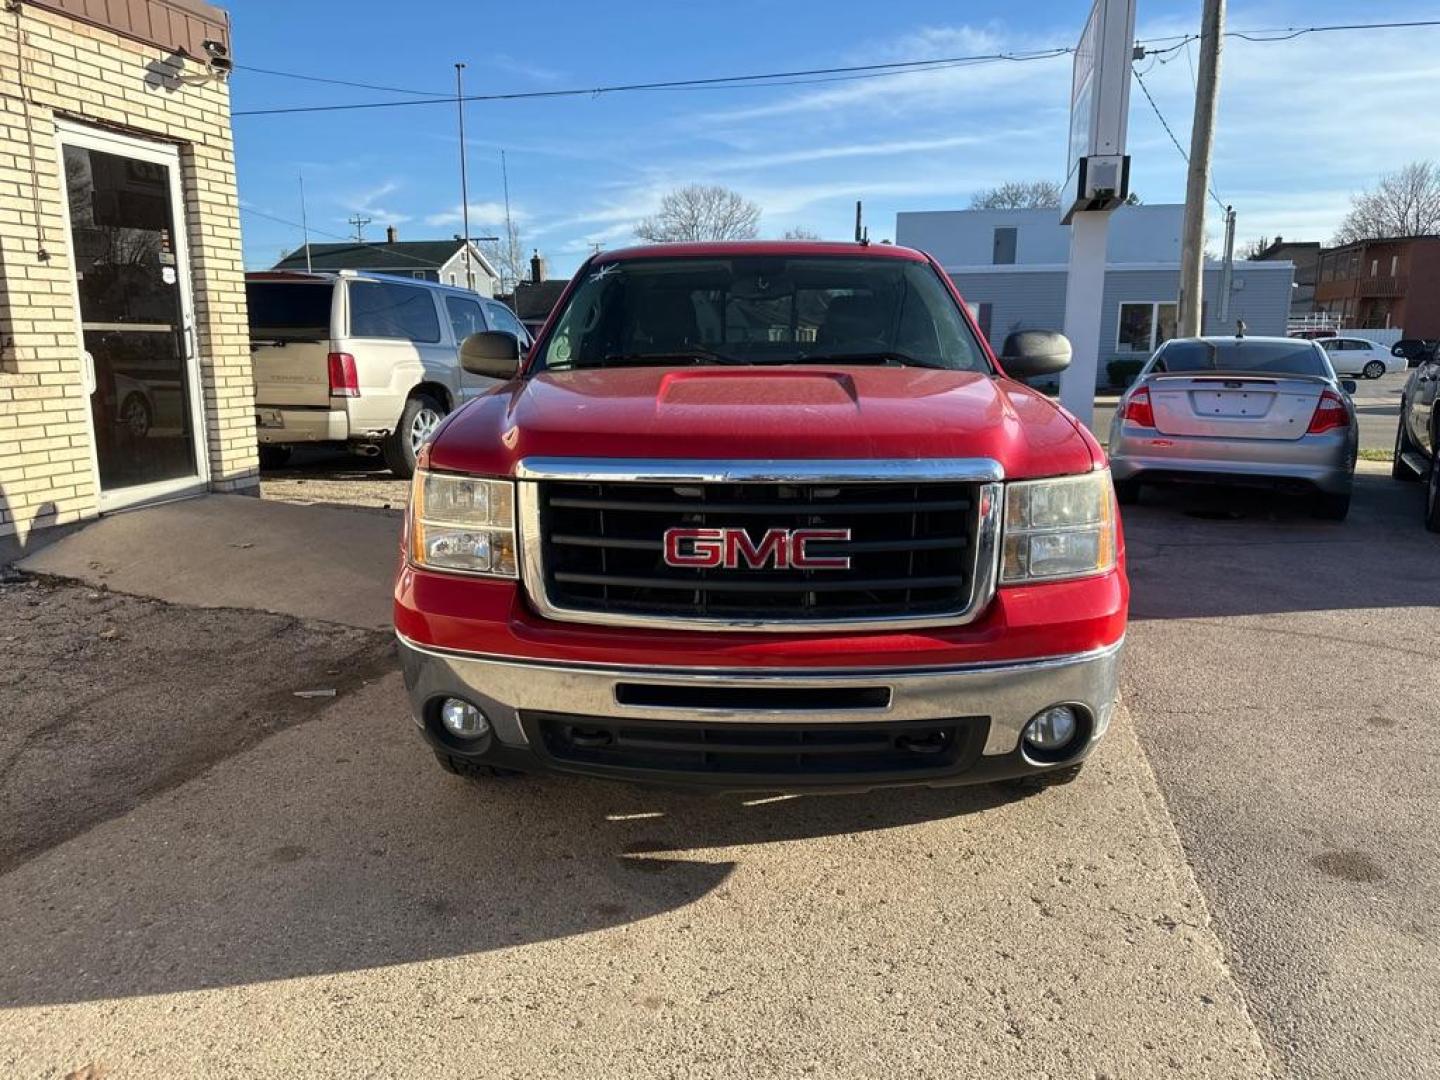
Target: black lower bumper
<point x="765" y="731"/>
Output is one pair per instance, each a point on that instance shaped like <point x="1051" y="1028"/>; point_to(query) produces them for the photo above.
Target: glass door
<point x="132" y="290"/>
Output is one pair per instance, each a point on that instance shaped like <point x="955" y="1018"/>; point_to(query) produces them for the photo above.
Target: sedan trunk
<point x="1234" y="406"/>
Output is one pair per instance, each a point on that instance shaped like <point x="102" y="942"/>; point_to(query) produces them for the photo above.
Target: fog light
<point x="1052" y="729"/>
<point x="463" y="719"/>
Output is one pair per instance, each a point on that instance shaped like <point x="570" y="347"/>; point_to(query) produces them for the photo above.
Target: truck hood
<point x="792" y="412"/>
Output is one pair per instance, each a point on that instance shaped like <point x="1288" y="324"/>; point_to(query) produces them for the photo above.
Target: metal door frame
<point x="168" y="155"/>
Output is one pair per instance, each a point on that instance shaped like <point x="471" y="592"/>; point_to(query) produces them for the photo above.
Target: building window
<point x="1374" y="267"/>
<point x="1004" y="248"/>
<point x="1394" y="265"/>
<point x="1145" y="325"/>
<point x="982" y="313"/>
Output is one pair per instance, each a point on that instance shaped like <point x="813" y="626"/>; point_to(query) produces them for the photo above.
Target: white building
<point x="1010" y="265"/>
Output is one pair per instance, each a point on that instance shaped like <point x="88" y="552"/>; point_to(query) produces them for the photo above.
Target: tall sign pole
<point x="1197" y="185"/>
<point x="1098" y="180"/>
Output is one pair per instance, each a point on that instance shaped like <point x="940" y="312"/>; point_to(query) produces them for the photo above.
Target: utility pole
<point x="464" y="180"/>
<point x="1227" y="268"/>
<point x="512" y="249"/>
<point x="359" y="223"/>
<point x="859" y="229"/>
<point x="1197" y="187"/>
<point x="304" y="222"/>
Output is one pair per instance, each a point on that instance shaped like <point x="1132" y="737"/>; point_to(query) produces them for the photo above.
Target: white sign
<point x="1100" y="94"/>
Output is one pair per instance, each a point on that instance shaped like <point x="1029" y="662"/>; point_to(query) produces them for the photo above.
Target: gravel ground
<point x="332" y="477"/>
<point x="110" y="699"/>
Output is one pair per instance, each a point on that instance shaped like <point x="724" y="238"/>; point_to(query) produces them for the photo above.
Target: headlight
<point x="1058" y="528"/>
<point x="463" y="524"/>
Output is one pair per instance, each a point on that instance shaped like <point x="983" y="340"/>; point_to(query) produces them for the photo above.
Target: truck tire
<point x="1127" y="492"/>
<point x="1028" y="785"/>
<point x="468" y="770"/>
<point x="1398" y="469"/>
<point x="417" y="420"/>
<point x="274" y="457"/>
<point x="1432" y="497"/>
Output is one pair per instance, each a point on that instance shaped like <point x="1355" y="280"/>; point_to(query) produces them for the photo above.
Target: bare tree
<point x="1018" y="195"/>
<point x="1404" y="203"/>
<point x="701" y="212"/>
<point x="799" y="232"/>
<point x="1257" y="247"/>
<point x="507" y="255"/>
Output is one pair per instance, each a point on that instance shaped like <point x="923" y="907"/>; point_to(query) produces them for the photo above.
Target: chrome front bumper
<point x="1006" y="694"/>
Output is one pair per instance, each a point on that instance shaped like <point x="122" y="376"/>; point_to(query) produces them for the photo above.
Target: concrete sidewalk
<point x="233" y="551"/>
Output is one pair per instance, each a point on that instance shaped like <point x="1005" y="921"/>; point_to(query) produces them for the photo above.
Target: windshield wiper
<point x="881" y="356"/>
<point x="695" y="355"/>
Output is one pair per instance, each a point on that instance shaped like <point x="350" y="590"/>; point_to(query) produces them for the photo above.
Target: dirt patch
<point x="106" y="699"/>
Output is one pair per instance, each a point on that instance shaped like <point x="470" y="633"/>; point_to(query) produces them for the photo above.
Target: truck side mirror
<point x="1030" y="353"/>
<point x="493" y="353"/>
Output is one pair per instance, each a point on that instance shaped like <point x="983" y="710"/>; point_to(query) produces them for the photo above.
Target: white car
<point x="1358" y="356"/>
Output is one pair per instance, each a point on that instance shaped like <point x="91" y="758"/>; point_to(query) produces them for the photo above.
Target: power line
<point x="391" y="253"/>
<point x="1288" y="33"/>
<point x="899" y="67"/>
<point x="786" y="78"/>
<point x="1166" y="125"/>
<point x="333" y="82"/>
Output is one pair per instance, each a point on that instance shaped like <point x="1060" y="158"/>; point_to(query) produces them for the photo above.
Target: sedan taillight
<point x="1330" y="413"/>
<point x="1138" y="410"/>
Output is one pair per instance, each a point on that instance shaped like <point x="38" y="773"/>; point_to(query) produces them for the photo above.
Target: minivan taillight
<point x="343" y="380"/>
<point x="1330" y="413"/>
<point x="1138" y="410"/>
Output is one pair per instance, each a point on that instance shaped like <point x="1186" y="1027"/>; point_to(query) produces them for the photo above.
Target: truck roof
<point x="732" y="248"/>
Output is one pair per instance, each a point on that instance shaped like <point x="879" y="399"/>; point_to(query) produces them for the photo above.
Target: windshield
<point x="1272" y="357"/>
<point x="762" y="310"/>
<point x="289" y="311"/>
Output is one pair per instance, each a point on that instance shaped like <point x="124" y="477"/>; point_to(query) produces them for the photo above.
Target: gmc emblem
<point x="784" y="549"/>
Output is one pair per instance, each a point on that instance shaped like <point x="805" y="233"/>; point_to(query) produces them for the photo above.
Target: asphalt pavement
<point x="1283" y="676"/>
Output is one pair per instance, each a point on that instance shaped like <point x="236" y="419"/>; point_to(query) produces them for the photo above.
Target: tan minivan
<point x="369" y="362"/>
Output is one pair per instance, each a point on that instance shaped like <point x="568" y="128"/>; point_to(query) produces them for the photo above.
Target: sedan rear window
<point x="289" y="311"/>
<point x="1271" y="357"/>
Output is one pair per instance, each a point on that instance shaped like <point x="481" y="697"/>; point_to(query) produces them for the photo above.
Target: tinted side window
<point x="503" y="319"/>
<point x="382" y="310"/>
<point x="466" y="318"/>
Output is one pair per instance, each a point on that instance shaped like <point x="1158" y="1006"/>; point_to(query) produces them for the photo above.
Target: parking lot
<point x="1236" y="886"/>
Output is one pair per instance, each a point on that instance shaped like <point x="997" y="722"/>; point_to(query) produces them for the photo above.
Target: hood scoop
<point x="757" y="386"/>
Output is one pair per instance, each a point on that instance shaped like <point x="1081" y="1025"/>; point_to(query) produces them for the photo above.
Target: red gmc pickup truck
<point x="762" y="516"/>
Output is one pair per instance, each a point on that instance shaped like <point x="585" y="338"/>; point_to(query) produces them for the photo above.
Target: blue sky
<point x="1303" y="124"/>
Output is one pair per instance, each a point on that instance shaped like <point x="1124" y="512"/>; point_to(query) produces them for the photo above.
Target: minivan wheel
<point x="274" y="457"/>
<point x="1373" y="370"/>
<point x="1331" y="507"/>
<point x="1398" y="469"/>
<point x="1432" y="497"/>
<point x="418" y="422"/>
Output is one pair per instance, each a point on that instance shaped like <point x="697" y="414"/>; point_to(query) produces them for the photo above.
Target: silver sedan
<point x="1252" y="411"/>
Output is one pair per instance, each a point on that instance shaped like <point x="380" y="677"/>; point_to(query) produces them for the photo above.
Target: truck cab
<point x="762" y="516"/>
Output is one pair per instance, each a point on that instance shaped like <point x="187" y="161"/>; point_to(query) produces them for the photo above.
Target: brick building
<point x="124" y="357"/>
<point x="1376" y="284"/>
